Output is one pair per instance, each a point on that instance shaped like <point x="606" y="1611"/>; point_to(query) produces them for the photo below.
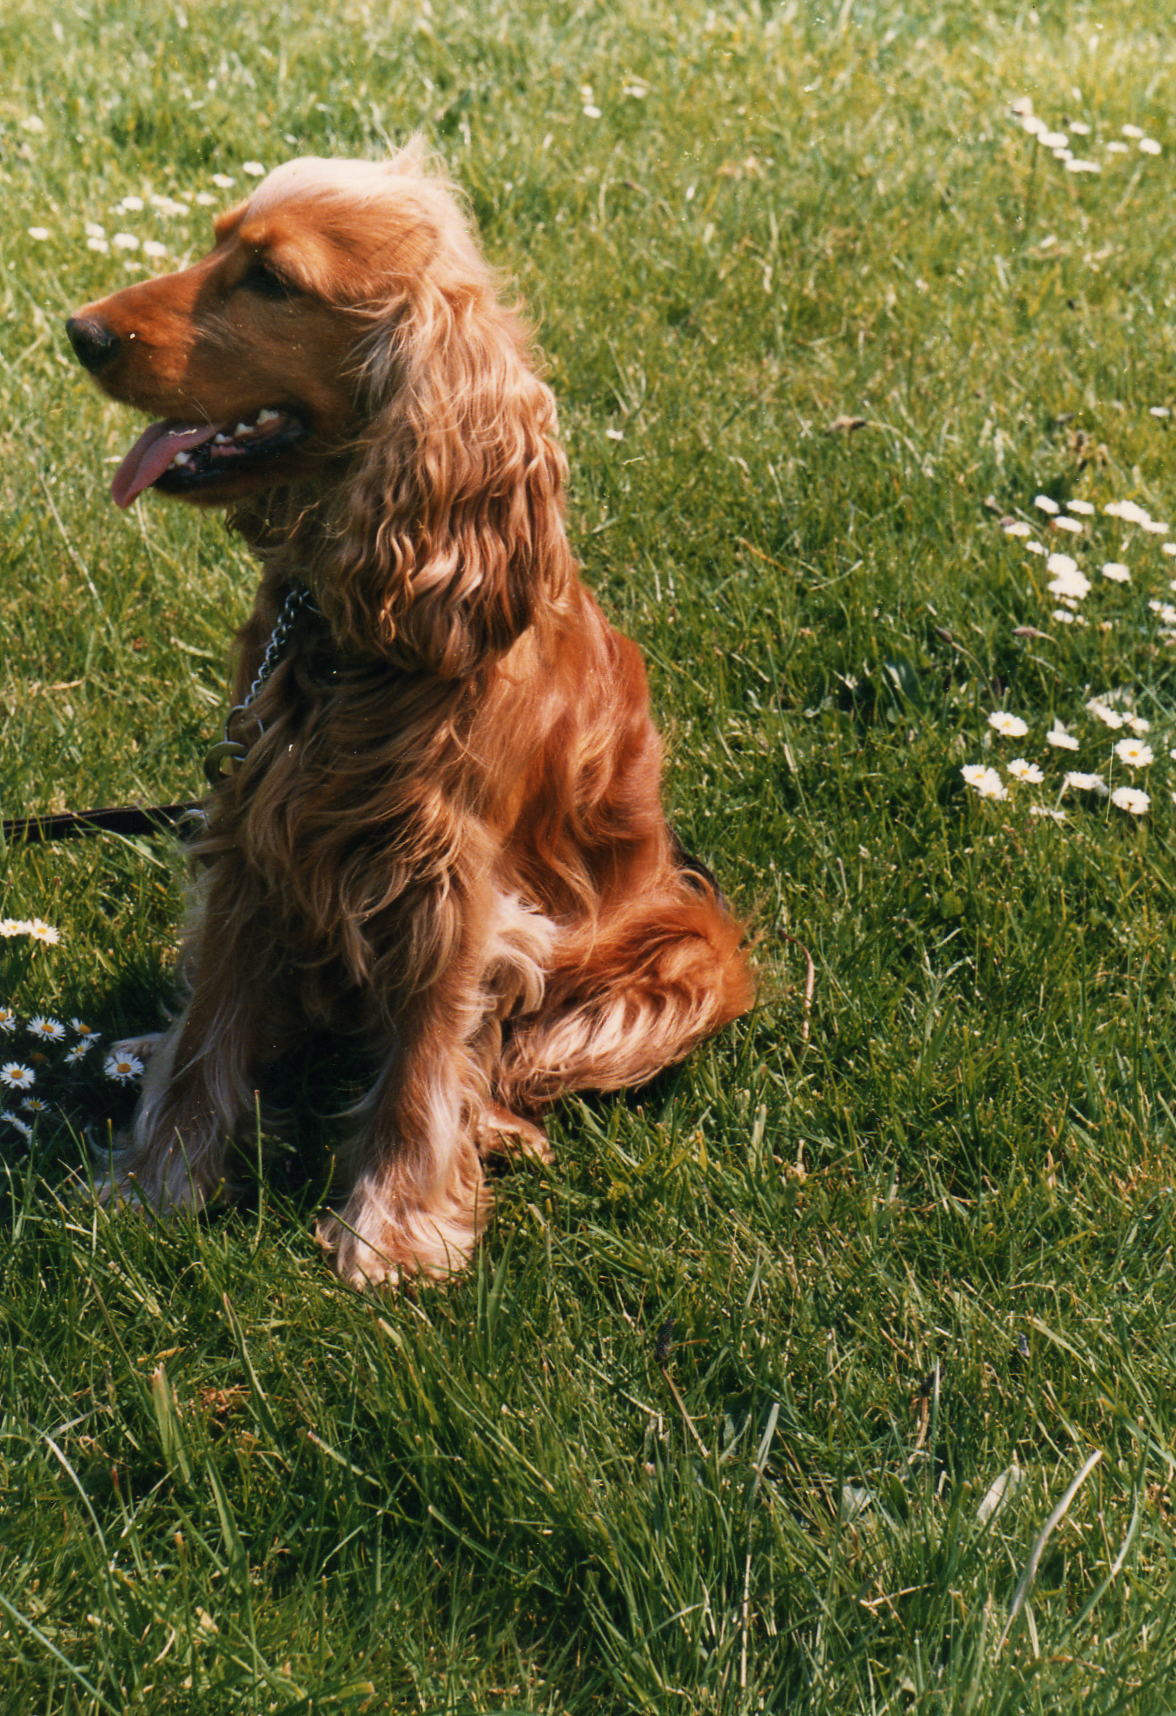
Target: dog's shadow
<point x="296" y="1147"/>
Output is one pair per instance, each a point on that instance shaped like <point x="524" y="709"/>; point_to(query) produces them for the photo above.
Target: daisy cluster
<point x="1128" y="558"/>
<point x="1057" y="140"/>
<point x="1126" y="757"/>
<point x="1098" y="570"/>
<point x="123" y="232"/>
<point x="42" y="1061"/>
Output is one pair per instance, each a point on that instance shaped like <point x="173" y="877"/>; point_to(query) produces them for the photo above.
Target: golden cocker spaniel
<point x="441" y="835"/>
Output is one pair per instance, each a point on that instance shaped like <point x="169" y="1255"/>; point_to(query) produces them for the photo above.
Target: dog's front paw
<point x="377" y="1242"/>
<point x="360" y="1262"/>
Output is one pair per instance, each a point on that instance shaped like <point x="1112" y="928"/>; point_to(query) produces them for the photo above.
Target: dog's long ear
<point x="451" y="529"/>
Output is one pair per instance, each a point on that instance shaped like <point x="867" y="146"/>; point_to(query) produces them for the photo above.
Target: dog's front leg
<point x="198" y="1090"/>
<point x="418" y="1199"/>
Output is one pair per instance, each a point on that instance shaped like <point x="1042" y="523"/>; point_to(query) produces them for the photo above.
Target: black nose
<point x="93" y="342"/>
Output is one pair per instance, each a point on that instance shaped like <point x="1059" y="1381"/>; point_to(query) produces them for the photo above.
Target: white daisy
<point x="222" y="181"/>
<point x="40" y="233"/>
<point x="1046" y="503"/>
<point x="1149" y="146"/>
<point x="22" y="1126"/>
<point x="1008" y="726"/>
<point x="76" y="1054"/>
<point x="1036" y="548"/>
<point x="1070" y="524"/>
<point x="1104" y="713"/>
<point x="42" y="932"/>
<point x="1129" y="130"/>
<point x="1159" y="411"/>
<point x="122" y="1067"/>
<point x="1020" y="770"/>
<point x="7" y="1020"/>
<point x="254" y="169"/>
<point x="1085" y="783"/>
<point x="34" y="1105"/>
<point x="1060" y="739"/>
<point x="1084" y="507"/>
<point x="1156" y="527"/>
<point x="129" y="205"/>
<point x="1134" y="753"/>
<point x="84" y="1030"/>
<point x="1128" y="511"/>
<point x="984" y="781"/>
<point x="1131" y="799"/>
<point x="1137" y="723"/>
<point x="17" y="1076"/>
<point x="1066" y="579"/>
<point x="1116" y="572"/>
<point x="1045" y="810"/>
<point x="52" y="1030"/>
<point x="1016" y="527"/>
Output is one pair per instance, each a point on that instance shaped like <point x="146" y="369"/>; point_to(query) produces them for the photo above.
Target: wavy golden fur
<point x="445" y="840"/>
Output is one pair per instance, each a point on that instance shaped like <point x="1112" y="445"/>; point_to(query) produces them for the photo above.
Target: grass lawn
<point x="834" y="1373"/>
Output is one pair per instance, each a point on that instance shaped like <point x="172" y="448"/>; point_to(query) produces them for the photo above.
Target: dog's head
<point x="256" y="358"/>
<point x="343" y="341"/>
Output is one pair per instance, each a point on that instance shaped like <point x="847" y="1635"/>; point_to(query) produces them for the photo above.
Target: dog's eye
<point x="266" y="282"/>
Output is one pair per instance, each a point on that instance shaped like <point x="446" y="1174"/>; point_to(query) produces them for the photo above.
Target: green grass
<point x="709" y="1425"/>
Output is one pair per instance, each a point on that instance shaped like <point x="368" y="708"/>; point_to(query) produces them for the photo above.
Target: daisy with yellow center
<point x="122" y="1067"/>
<point x="984" y="781"/>
<point x="1008" y="726"/>
<point x="40" y="931"/>
<point x="51" y="1030"/>
<point x="1134" y="753"/>
<point x="17" y="1076"/>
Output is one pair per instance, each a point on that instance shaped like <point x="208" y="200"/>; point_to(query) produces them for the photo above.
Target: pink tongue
<point x="152" y="453"/>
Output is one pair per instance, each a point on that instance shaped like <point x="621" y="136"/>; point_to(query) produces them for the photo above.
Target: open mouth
<point x="178" y="458"/>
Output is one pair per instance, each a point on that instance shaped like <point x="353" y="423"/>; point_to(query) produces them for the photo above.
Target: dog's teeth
<point x="221" y="440"/>
<point x="244" y="429"/>
<point x="265" y="415"/>
<point x="182" y="459"/>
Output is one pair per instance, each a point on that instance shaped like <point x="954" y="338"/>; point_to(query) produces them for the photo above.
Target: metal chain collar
<point x="223" y="758"/>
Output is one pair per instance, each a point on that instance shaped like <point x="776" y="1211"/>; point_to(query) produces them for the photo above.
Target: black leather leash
<point x="115" y="819"/>
<point x="155" y="818"/>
